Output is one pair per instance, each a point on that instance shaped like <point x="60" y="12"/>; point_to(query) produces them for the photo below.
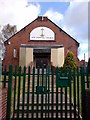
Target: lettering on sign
<point x="42" y="33"/>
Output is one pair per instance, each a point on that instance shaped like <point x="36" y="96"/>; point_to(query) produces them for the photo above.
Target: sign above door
<point x="42" y="33"/>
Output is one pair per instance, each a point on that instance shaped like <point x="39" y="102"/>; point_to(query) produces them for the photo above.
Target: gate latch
<point x="41" y="90"/>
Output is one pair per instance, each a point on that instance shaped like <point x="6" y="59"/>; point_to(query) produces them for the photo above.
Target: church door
<point x="41" y="61"/>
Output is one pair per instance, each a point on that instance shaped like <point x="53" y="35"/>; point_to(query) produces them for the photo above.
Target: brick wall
<point x="87" y="107"/>
<point x="3" y="103"/>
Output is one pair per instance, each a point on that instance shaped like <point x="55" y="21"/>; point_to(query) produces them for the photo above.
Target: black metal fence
<point x="43" y="93"/>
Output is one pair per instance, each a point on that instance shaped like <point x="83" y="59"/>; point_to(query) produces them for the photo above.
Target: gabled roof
<point x="21" y="29"/>
<point x="65" y="32"/>
<point x="45" y="18"/>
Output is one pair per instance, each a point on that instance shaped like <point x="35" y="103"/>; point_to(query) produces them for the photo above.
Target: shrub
<point x="69" y="61"/>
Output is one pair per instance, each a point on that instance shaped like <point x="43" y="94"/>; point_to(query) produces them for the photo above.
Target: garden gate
<point x="45" y="93"/>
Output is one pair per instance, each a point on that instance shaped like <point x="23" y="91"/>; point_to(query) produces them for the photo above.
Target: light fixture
<point x="9" y="42"/>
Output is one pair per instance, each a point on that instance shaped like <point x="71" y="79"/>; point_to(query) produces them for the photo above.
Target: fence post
<point x="9" y="93"/>
<point x="83" y="92"/>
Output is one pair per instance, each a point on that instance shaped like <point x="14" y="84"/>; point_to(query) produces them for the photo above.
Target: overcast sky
<point x="70" y="15"/>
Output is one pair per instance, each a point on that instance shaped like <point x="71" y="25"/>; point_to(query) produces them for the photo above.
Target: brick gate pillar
<point x="87" y="107"/>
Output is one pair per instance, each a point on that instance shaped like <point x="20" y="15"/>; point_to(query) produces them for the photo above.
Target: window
<point x="15" y="53"/>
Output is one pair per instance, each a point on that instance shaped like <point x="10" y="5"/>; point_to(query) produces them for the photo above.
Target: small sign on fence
<point x="63" y="82"/>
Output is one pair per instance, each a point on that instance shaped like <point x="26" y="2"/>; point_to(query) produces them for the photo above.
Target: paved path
<point x="42" y="108"/>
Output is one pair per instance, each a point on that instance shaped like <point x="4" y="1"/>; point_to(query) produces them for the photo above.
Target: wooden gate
<point x="45" y="93"/>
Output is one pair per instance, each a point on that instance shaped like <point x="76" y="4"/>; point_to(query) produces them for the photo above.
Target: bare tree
<point x="2" y="47"/>
<point x="8" y="30"/>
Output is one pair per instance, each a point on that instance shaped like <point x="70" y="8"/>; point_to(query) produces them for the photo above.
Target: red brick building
<point x="39" y="43"/>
